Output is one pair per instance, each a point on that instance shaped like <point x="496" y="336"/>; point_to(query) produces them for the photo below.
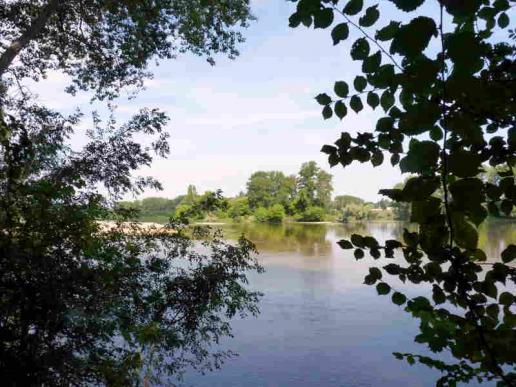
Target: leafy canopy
<point x="441" y="78"/>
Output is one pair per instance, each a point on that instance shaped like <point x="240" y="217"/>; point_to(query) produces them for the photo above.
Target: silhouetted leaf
<point x="412" y="38"/>
<point x="360" y="49"/>
<point x="382" y="288"/>
<point x="370" y="17"/>
<point x="339" y="33"/>
<point x="353" y="7"/>
<point x="340" y="109"/>
<point x="323" y="99"/>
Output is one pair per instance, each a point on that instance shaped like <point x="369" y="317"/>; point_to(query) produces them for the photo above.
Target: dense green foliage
<point x="275" y="197"/>
<point x="89" y="303"/>
<point x="441" y="75"/>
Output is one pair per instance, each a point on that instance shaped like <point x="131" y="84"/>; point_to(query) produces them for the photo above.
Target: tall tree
<point x="86" y="303"/>
<point x="264" y="189"/>
<point x="107" y="45"/>
<point x="316" y="183"/>
<point x="442" y="74"/>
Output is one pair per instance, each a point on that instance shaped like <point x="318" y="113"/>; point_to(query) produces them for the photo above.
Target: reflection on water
<point x="319" y="325"/>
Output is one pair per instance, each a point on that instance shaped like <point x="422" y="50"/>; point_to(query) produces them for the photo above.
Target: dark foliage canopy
<point x="442" y="77"/>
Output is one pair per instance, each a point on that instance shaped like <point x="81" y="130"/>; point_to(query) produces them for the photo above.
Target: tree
<point x="83" y="303"/>
<point x="442" y="77"/>
<point x="316" y="183"/>
<point x="191" y="195"/>
<point x="341" y="201"/>
<point x="105" y="45"/>
<point x="264" y="189"/>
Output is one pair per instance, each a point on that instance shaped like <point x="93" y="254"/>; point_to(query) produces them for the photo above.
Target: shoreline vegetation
<point x="274" y="197"/>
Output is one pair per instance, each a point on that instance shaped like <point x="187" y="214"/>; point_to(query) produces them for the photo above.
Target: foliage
<point x="341" y="201"/>
<point x="105" y="45"/>
<point x="274" y="214"/>
<point x="316" y="183"/>
<point x="89" y="303"/>
<point x="265" y="189"/>
<point x="441" y="77"/>
<point x="239" y="207"/>
<point x="312" y="214"/>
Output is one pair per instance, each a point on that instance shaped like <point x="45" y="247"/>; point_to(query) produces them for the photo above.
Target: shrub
<point x="312" y="214"/>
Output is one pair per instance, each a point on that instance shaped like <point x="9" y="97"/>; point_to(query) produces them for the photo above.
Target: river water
<point x="319" y="325"/>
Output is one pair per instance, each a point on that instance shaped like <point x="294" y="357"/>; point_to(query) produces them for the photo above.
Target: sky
<point x="254" y="113"/>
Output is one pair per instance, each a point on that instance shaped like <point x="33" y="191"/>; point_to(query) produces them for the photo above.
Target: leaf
<point x="370" y="17"/>
<point x="323" y="18"/>
<point x="421" y="158"/>
<point x="377" y="158"/>
<point x="465" y="234"/>
<point x="372" y="99"/>
<point x="387" y="100"/>
<point x="353" y="7"/>
<point x="339" y="33"/>
<point x="503" y="20"/>
<point x="327" y="112"/>
<point x="357" y="240"/>
<point x="358" y="253"/>
<point x="463" y="163"/>
<point x="345" y="244"/>
<point x="509" y="254"/>
<point x="372" y="63"/>
<point x="412" y="39"/>
<point x="408" y="5"/>
<point x="356" y="103"/>
<point x="328" y="149"/>
<point x="388" y="32"/>
<point x="506" y="298"/>
<point x="392" y="269"/>
<point x="398" y="298"/>
<point x="323" y="99"/>
<point x="360" y="49"/>
<point x="360" y="83"/>
<point x="340" y="109"/>
<point x="341" y="88"/>
<point x="382" y="288"/>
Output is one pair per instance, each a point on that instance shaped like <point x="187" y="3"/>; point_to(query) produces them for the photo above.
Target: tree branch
<point x="32" y="32"/>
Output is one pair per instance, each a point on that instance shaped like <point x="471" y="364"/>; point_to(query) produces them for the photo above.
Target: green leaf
<point x="341" y="88"/>
<point x="377" y="158"/>
<point x="436" y="133"/>
<point x="438" y="295"/>
<point x="345" y="244"/>
<point x="358" y="253"/>
<point x="340" y="109"/>
<point x="463" y="163"/>
<point x="382" y="288"/>
<point x="327" y="112"/>
<point x="356" y="103"/>
<point x="372" y="63"/>
<point x="387" y="100"/>
<point x="509" y="254"/>
<point x="398" y="298"/>
<point x="503" y="20"/>
<point x="372" y="99"/>
<point x="328" y="149"/>
<point x="422" y="157"/>
<point x="370" y="17"/>
<point x="392" y="269"/>
<point x="506" y="298"/>
<point x="357" y="240"/>
<point x="464" y="232"/>
<point x="412" y="39"/>
<point x="360" y="49"/>
<point x="323" y="99"/>
<point x="388" y="32"/>
<point x="353" y="7"/>
<point x="339" y="33"/>
<point x="408" y="5"/>
<point x="323" y="18"/>
<point x="360" y="83"/>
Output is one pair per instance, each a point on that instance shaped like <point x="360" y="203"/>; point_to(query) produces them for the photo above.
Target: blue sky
<point x="254" y="113"/>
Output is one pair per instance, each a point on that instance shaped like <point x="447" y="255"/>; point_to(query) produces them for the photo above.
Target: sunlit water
<point x="319" y="325"/>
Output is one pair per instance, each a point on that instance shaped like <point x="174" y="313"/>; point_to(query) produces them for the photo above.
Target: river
<point x="319" y="325"/>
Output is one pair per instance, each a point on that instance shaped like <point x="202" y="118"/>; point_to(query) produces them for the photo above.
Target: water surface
<point x="319" y="325"/>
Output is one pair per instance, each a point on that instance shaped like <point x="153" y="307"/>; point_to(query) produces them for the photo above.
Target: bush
<point x="312" y="214"/>
<point x="274" y="214"/>
<point x="239" y="207"/>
